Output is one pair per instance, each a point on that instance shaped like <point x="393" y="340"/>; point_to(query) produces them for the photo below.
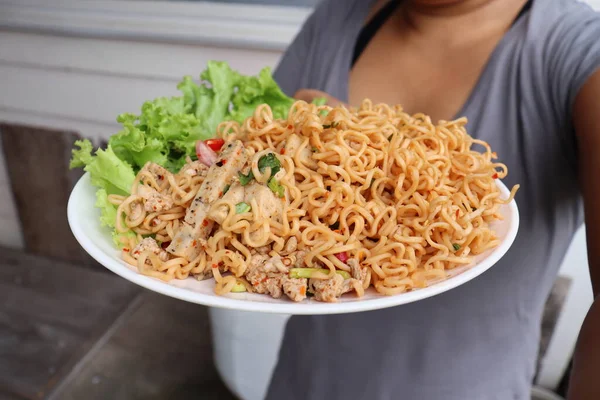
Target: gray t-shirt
<point x="480" y="340"/>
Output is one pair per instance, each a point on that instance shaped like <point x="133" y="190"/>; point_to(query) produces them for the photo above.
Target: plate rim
<point x="316" y="308"/>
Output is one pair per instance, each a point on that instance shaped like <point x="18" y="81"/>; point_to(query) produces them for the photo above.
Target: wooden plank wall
<point x="37" y="164"/>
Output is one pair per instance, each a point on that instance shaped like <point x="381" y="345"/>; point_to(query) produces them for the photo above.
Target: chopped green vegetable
<point x="310" y="272"/>
<point x="319" y="101"/>
<point x="239" y="287"/>
<point x="242" y="207"/>
<point x="269" y="161"/>
<point x="245" y="179"/>
<point x="227" y="187"/>
<point x="276" y="187"/>
<point x="456" y="246"/>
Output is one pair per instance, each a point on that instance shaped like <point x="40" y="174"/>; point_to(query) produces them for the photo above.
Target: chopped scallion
<point x="242" y="207"/>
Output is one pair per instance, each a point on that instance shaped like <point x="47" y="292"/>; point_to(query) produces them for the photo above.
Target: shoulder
<point x="326" y="32"/>
<point x="560" y="22"/>
<point x="562" y="47"/>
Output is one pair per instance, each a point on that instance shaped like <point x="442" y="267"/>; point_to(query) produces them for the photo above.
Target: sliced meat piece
<point x="234" y="195"/>
<point x="184" y="243"/>
<point x="269" y="204"/>
<point x="229" y="163"/>
<point x="292" y="145"/>
<point x="149" y="244"/>
<point x="194" y="168"/>
<point x="153" y="200"/>
<point x="191" y="237"/>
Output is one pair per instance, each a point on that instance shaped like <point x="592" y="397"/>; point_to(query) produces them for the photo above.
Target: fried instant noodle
<point x="360" y="197"/>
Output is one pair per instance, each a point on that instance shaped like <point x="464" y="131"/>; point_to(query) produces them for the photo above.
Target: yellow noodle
<point x="407" y="198"/>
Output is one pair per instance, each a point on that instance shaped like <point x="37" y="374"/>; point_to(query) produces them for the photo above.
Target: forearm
<point x="585" y="377"/>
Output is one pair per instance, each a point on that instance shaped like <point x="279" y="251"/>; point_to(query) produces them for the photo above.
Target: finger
<point x="309" y="95"/>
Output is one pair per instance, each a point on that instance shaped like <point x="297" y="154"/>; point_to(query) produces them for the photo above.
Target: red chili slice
<point x="215" y="144"/>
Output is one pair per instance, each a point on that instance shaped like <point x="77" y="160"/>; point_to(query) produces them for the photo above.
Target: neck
<point x="459" y="21"/>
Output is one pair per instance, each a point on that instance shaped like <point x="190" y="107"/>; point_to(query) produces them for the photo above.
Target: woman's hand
<point x="309" y="95"/>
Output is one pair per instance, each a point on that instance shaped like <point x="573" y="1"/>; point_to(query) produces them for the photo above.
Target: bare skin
<point x="430" y="47"/>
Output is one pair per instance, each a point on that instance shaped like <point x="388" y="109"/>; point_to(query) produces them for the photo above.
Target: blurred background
<point x="69" y="329"/>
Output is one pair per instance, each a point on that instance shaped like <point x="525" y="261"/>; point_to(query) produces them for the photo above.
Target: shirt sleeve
<point x="572" y="55"/>
<point x="291" y="70"/>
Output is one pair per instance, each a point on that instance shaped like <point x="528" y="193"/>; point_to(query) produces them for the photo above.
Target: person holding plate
<point x="526" y="74"/>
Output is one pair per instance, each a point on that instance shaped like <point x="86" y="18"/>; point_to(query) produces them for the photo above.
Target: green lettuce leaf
<point x="107" y="171"/>
<point x="256" y="90"/>
<point x="120" y="239"/>
<point x="108" y="211"/>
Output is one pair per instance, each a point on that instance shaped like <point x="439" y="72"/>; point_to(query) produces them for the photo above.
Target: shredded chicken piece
<point x="149" y="244"/>
<point x="154" y="201"/>
<point x="270" y="275"/>
<point x="269" y="205"/>
<point x="234" y="195"/>
<point x="275" y="264"/>
<point x="329" y="290"/>
<point x="298" y="258"/>
<point x="294" y="288"/>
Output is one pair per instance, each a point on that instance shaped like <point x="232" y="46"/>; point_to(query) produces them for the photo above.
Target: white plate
<point x="96" y="240"/>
